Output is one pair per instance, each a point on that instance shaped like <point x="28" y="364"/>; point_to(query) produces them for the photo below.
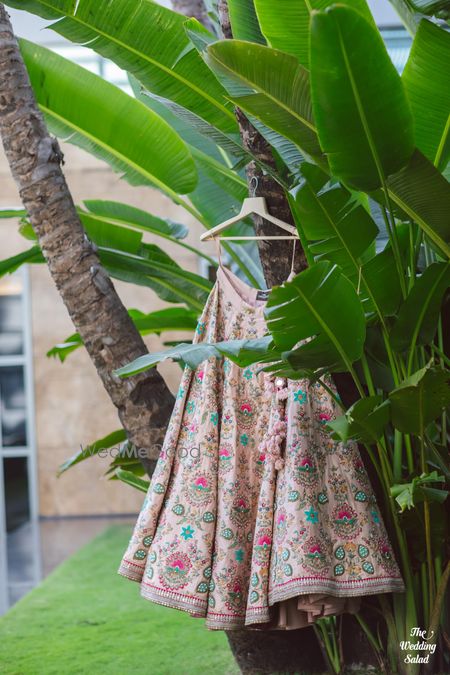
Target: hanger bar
<point x="255" y="238"/>
<point x="250" y="206"/>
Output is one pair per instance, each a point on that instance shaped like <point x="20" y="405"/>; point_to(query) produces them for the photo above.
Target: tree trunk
<point x="144" y="402"/>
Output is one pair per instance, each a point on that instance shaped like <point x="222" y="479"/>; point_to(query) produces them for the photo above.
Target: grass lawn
<point x="85" y="618"/>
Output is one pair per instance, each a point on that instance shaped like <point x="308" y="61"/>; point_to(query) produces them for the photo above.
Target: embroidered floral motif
<point x="250" y="494"/>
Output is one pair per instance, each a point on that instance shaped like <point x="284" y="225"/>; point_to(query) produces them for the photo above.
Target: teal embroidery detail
<point x="227" y="533"/>
<point x="159" y="488"/>
<point x="300" y="396"/>
<point x="239" y="555"/>
<point x="147" y="540"/>
<point x="208" y="517"/>
<point x="248" y="374"/>
<point x="293" y="495"/>
<point x="190" y="407"/>
<point x="254" y="597"/>
<point x="187" y="532"/>
<point x="254" y="580"/>
<point x="178" y="509"/>
<point x="200" y="328"/>
<point x="375" y="517"/>
<point x="152" y="557"/>
<point x="244" y="439"/>
<point x="214" y="418"/>
<point x="202" y="587"/>
<point x="363" y="551"/>
<point x="368" y="567"/>
<point x="312" y="516"/>
<point x="287" y="569"/>
<point x="322" y="498"/>
<point x="180" y="392"/>
<point x="140" y="554"/>
<point x="361" y="496"/>
<point x="338" y="570"/>
<point x="340" y="553"/>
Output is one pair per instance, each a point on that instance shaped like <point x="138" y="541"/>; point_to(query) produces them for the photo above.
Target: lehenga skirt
<point x="254" y="516"/>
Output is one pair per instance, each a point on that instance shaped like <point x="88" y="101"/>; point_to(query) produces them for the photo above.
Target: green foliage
<point x="362" y="114"/>
<point x="346" y="132"/>
<point x="110" y="134"/>
<point x="427" y="82"/>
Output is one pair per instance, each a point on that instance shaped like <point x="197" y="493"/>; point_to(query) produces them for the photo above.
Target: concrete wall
<point x="71" y="406"/>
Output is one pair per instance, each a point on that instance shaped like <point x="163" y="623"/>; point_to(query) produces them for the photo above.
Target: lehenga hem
<point x="295" y="589"/>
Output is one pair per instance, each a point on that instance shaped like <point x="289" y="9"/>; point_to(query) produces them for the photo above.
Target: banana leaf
<point x="9" y="265"/>
<point x="319" y="309"/>
<point x="104" y="121"/>
<point x="169" y="319"/>
<point x="420" y="399"/>
<point x="417" y="319"/>
<point x="146" y="40"/>
<point x="427" y="82"/>
<point x="285" y="24"/>
<point x="363" y="118"/>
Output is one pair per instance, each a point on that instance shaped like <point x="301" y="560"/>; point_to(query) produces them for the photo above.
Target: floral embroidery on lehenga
<point x="252" y="506"/>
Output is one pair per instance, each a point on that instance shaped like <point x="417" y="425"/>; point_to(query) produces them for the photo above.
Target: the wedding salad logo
<point x="422" y="643"/>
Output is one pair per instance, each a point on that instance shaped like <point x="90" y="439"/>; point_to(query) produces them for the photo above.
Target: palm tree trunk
<point x="144" y="402"/>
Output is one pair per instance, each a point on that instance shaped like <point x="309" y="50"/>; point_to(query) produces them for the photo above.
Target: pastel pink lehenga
<point x="254" y="516"/>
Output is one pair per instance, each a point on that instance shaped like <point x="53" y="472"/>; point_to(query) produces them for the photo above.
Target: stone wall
<point x="71" y="405"/>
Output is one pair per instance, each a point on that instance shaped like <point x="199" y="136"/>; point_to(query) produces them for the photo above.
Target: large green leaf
<point x="242" y="352"/>
<point x="427" y="83"/>
<point x="152" y="268"/>
<point x="362" y="114"/>
<point x="110" y="213"/>
<point x="169" y="319"/>
<point x="9" y="265"/>
<point x="285" y="23"/>
<point x="105" y="120"/>
<point x="423" y="193"/>
<point x="130" y="478"/>
<point x="380" y="284"/>
<point x="419" y="189"/>
<point x="244" y="22"/>
<point x="431" y="7"/>
<point x="321" y="307"/>
<point x="274" y="88"/>
<point x="418" y="316"/>
<point x="146" y="40"/>
<point x="134" y="217"/>
<point x="115" y="438"/>
<point x="419" y="400"/>
<point x="364" y="421"/>
<point x="337" y="228"/>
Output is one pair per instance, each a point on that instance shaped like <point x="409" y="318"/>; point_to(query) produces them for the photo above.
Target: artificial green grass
<point x="85" y="618"/>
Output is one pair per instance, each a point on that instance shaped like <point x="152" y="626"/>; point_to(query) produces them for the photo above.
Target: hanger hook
<point x="254" y="185"/>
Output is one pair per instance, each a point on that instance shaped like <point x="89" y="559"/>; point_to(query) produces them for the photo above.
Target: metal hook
<point x="253" y="185"/>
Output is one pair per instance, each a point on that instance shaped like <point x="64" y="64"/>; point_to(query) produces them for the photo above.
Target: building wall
<point x="71" y="405"/>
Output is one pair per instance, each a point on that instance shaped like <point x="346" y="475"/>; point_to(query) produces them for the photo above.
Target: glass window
<point x="12" y="406"/>
<point x="19" y="526"/>
<point x="11" y="334"/>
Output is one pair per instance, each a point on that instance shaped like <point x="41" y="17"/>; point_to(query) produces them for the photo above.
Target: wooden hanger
<point x="251" y="206"/>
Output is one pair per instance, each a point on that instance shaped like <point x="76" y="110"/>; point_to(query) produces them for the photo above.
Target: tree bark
<point x="276" y="256"/>
<point x="193" y="8"/>
<point x="144" y="402"/>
